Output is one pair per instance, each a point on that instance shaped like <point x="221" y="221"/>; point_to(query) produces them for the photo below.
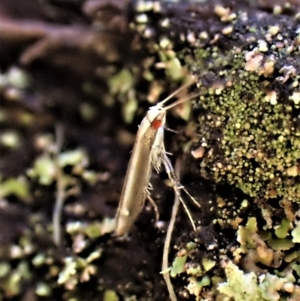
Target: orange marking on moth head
<point x="156" y="124"/>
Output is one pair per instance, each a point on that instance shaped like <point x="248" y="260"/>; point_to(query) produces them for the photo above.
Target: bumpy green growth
<point x="249" y="120"/>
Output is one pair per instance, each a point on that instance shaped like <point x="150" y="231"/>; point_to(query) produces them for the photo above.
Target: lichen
<point x="282" y="230"/>
<point x="296" y="234"/>
<point x="239" y="286"/>
<point x="78" y="269"/>
<point x="15" y="186"/>
<point x="110" y="295"/>
<point x="257" y="147"/>
<point x="249" y="287"/>
<point x="178" y="265"/>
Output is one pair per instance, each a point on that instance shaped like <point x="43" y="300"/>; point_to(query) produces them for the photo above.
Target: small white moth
<point x="148" y="151"/>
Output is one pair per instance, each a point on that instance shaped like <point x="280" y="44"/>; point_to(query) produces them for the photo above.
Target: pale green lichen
<point x="292" y="256"/>
<point x="239" y="286"/>
<point x="195" y="286"/>
<point x="39" y="260"/>
<point x="4" y="269"/>
<point x="263" y="246"/>
<point x="249" y="287"/>
<point x="78" y="269"/>
<point x="18" y="187"/>
<point x="18" y="78"/>
<point x="296" y="233"/>
<point x="208" y="264"/>
<point x="255" y="248"/>
<point x="10" y="139"/>
<point x="122" y="84"/>
<point x="194" y="270"/>
<point x="43" y="289"/>
<point x="44" y="170"/>
<point x="110" y="295"/>
<point x="282" y="231"/>
<point x="13" y="282"/>
<point x="93" y="229"/>
<point x="178" y="265"/>
<point x="88" y="111"/>
<point x="130" y="107"/>
<point x="281" y="244"/>
<point x="72" y="158"/>
<point x="83" y="234"/>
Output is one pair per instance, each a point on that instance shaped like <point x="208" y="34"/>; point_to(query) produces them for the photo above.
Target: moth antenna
<point x="192" y="81"/>
<point x="179" y="101"/>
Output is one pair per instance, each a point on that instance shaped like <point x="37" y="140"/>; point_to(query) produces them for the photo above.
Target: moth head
<point x="156" y="117"/>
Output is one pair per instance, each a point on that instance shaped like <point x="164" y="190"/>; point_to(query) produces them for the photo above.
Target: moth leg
<point x="177" y="186"/>
<point x="149" y="187"/>
<point x="174" y="180"/>
<point x="165" y="261"/>
<point x="154" y="206"/>
<point x="171" y="130"/>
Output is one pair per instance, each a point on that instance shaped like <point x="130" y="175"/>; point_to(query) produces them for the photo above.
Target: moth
<point x="148" y="153"/>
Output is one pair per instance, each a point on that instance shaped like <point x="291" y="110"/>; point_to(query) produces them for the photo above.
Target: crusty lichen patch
<point x="249" y="123"/>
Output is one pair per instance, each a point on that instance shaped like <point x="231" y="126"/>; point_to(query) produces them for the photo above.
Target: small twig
<point x="165" y="261"/>
<point x="44" y="39"/>
<point x="60" y="188"/>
